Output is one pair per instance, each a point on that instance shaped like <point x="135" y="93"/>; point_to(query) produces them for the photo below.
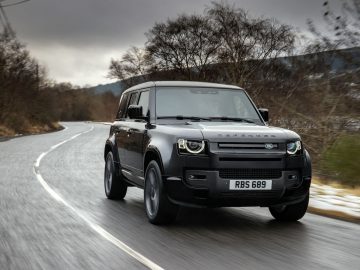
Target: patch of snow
<point x="329" y="198"/>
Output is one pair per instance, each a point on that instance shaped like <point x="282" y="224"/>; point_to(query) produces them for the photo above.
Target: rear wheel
<point x="159" y="209"/>
<point x="115" y="186"/>
<point x="292" y="212"/>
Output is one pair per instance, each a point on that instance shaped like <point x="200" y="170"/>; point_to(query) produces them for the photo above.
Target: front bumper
<point x="213" y="191"/>
<point x="201" y="181"/>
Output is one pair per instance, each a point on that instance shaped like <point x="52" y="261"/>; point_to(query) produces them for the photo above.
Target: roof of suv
<point x="182" y="83"/>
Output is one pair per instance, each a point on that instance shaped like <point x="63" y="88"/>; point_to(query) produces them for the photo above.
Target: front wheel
<point x="292" y="212"/>
<point x="159" y="209"/>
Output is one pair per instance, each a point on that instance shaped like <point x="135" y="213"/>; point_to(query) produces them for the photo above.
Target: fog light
<point x="197" y="177"/>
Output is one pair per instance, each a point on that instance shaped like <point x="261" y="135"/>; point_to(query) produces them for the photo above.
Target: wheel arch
<point x="153" y="153"/>
<point x="111" y="147"/>
<point x="307" y="171"/>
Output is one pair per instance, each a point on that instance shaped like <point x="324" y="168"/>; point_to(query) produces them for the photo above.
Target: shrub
<point x="341" y="160"/>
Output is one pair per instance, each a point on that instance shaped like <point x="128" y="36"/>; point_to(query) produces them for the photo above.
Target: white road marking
<point x="97" y="228"/>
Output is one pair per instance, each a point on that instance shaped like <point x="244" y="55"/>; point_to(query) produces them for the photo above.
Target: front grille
<point x="250" y="173"/>
<point x="248" y="159"/>
<point x="249" y="145"/>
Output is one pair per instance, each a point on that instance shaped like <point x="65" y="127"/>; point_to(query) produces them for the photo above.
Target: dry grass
<point x="30" y="129"/>
<point x="345" y="189"/>
<point x="334" y="214"/>
<point x="36" y="129"/>
<point x="6" y="132"/>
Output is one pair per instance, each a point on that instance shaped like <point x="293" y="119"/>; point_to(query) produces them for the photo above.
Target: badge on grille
<point x="269" y="146"/>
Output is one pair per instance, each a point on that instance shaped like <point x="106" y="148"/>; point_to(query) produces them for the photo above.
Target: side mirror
<point x="264" y="114"/>
<point x="135" y="112"/>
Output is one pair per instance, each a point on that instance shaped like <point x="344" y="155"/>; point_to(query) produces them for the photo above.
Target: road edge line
<point x="97" y="228"/>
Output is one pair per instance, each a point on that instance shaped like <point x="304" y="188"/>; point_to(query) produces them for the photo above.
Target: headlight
<point x="293" y="147"/>
<point x="191" y="146"/>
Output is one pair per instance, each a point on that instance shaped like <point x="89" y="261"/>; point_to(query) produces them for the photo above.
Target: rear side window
<point x="122" y="106"/>
<point x="144" y="101"/>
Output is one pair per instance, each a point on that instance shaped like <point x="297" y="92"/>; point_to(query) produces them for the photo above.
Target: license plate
<point x="250" y="184"/>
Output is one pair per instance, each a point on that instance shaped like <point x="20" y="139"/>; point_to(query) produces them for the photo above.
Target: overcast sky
<point x="75" y="39"/>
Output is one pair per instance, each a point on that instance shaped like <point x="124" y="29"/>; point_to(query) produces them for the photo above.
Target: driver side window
<point x="132" y="101"/>
<point x="122" y="106"/>
<point x="144" y="102"/>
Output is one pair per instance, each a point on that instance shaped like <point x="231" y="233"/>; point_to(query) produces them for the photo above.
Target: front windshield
<point x="204" y="103"/>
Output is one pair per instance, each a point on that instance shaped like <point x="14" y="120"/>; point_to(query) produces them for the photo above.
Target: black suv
<point x="203" y="145"/>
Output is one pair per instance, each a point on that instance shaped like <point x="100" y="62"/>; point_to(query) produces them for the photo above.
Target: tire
<point x="159" y="209"/>
<point x="292" y="212"/>
<point x="114" y="184"/>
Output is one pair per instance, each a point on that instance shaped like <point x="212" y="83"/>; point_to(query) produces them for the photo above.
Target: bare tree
<point x="187" y="45"/>
<point x="20" y="77"/>
<point x="135" y="62"/>
<point x="248" y="43"/>
<point x="345" y="23"/>
<point x="325" y="105"/>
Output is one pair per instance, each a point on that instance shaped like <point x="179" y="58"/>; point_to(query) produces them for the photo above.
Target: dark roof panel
<point x="194" y="84"/>
<point x="182" y="83"/>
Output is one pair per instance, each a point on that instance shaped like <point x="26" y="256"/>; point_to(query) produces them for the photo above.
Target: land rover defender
<point x="203" y="145"/>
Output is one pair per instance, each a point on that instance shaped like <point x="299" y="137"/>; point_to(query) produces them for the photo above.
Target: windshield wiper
<point x="182" y="117"/>
<point x="235" y="119"/>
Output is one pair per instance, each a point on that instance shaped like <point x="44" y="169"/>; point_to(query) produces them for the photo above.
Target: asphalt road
<point x="56" y="216"/>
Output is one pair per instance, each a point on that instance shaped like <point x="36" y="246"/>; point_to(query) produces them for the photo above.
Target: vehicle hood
<point x="245" y="132"/>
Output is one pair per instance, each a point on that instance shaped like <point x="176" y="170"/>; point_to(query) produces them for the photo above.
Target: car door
<point x="122" y="128"/>
<point x="136" y="134"/>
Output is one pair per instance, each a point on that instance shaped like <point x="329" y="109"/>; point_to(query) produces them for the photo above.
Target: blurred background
<point x="71" y="60"/>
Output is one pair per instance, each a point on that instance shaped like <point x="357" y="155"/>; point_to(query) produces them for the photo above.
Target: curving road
<point x="54" y="215"/>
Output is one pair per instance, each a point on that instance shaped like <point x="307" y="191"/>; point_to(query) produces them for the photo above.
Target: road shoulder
<point x="334" y="202"/>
